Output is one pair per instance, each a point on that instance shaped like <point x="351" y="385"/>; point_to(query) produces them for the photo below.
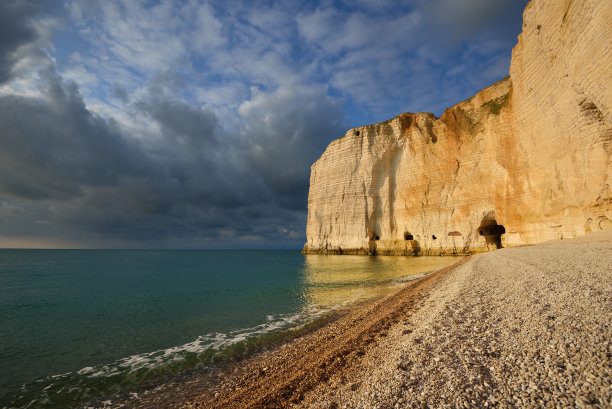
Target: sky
<point x="193" y="124"/>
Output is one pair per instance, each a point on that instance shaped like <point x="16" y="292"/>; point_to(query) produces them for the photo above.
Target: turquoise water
<point x="81" y="324"/>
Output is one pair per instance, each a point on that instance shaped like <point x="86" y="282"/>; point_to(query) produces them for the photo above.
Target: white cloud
<point x="226" y="94"/>
<point x="206" y="34"/>
<point x="334" y="31"/>
<point x="126" y="33"/>
<point x="318" y="25"/>
<point x="76" y="71"/>
<point x="274" y="22"/>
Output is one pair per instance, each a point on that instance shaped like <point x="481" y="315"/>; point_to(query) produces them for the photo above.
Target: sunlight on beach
<point x="337" y="280"/>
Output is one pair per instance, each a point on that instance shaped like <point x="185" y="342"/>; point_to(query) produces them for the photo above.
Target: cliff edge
<point x="522" y="161"/>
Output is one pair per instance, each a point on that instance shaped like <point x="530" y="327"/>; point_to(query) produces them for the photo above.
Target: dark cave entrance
<point x="408" y="236"/>
<point x="491" y="231"/>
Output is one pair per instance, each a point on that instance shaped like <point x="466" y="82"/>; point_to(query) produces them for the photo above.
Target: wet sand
<point x="518" y="327"/>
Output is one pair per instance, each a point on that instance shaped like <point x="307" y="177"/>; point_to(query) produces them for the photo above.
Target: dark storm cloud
<point x="460" y="20"/>
<point x="119" y="92"/>
<point x="284" y="133"/>
<point x="189" y="126"/>
<point x="77" y="172"/>
<point x="51" y="147"/>
<point x="16" y="31"/>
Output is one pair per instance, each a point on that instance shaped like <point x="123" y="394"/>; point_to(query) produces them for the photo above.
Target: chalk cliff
<point x="525" y="160"/>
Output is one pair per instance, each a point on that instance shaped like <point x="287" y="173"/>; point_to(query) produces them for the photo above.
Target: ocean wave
<point x="93" y="383"/>
<point x="96" y="382"/>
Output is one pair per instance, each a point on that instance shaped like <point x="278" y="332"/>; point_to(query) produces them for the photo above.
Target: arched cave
<point x="408" y="236"/>
<point x="491" y="231"/>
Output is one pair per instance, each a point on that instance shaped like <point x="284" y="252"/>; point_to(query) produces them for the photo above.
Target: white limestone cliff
<point x="522" y="161"/>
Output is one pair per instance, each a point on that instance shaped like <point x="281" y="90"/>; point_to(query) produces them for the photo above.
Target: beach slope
<point x="518" y="327"/>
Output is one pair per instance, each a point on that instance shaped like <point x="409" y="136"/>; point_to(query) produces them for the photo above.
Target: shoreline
<point x="216" y="386"/>
<point x="310" y="291"/>
<point x="518" y="327"/>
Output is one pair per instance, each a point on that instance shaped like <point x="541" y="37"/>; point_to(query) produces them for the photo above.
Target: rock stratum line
<point x="522" y="161"/>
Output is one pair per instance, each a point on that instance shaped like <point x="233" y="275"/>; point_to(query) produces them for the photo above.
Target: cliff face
<point x="524" y="160"/>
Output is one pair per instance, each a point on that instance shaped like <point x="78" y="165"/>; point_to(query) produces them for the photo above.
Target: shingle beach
<point x="517" y="327"/>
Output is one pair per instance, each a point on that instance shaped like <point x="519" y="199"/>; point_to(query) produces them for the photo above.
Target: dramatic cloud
<point x="185" y="123"/>
<point x="283" y="131"/>
<point x="52" y="146"/>
<point x="461" y="20"/>
<point x="18" y="32"/>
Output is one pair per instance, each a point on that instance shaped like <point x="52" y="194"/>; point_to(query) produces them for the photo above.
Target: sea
<point x="80" y="326"/>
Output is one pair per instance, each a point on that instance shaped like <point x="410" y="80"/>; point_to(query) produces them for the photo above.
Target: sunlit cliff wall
<point x="522" y="161"/>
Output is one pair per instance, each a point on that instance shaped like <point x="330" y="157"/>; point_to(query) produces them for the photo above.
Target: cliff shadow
<point x="491" y="231"/>
<point x="372" y="247"/>
<point x="416" y="248"/>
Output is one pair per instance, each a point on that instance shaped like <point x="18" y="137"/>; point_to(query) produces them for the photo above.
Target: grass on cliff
<point x="495" y="105"/>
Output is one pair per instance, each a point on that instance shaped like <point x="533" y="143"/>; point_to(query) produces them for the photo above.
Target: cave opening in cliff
<point x="408" y="236"/>
<point x="433" y="236"/>
<point x="374" y="237"/>
<point x="491" y="231"/>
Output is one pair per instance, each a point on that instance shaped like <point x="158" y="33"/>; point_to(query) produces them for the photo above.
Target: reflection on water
<point x="335" y="280"/>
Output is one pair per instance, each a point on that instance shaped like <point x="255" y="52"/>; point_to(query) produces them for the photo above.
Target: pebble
<point x="490" y="335"/>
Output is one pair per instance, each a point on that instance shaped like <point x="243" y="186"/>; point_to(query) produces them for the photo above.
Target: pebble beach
<point x="525" y="327"/>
